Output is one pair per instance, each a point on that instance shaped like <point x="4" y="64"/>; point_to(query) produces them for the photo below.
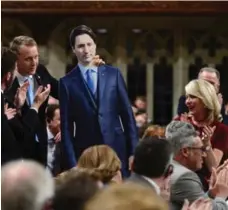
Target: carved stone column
<point x="180" y="71"/>
<point x="150" y="89"/>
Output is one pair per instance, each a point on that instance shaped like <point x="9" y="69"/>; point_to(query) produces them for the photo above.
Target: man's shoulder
<point x="181" y="171"/>
<point x="69" y="74"/>
<point x="138" y="179"/>
<point x="109" y="68"/>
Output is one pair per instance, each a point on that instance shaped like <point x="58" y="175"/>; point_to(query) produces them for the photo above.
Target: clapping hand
<point x="9" y="112"/>
<point x="199" y="204"/>
<point x="20" y="96"/>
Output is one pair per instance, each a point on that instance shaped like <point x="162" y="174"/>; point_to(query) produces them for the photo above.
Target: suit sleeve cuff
<point x="34" y="109"/>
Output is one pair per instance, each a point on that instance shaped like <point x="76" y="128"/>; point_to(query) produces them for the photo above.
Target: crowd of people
<point x="79" y="143"/>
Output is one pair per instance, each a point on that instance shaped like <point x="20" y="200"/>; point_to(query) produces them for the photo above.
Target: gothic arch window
<point x="136" y="79"/>
<point x="223" y="69"/>
<point x="12" y="27"/>
<point x="163" y="91"/>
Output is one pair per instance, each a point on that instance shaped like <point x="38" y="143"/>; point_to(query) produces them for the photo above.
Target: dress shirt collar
<point x="154" y="184"/>
<point x="49" y="134"/>
<point x="85" y="68"/>
<point x="21" y="79"/>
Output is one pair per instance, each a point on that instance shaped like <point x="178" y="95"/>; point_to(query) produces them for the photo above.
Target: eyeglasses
<point x="202" y="149"/>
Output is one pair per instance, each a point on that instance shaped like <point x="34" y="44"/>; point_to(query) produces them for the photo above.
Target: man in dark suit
<point x="94" y="104"/>
<point x="15" y="127"/>
<point x="158" y="153"/>
<point x="10" y="147"/>
<point x="29" y="70"/>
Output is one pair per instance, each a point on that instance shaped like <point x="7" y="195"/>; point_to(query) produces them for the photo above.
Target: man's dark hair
<point x="50" y="112"/>
<point x="152" y="156"/>
<point x="8" y="63"/>
<point x="75" y="192"/>
<point x="79" y="30"/>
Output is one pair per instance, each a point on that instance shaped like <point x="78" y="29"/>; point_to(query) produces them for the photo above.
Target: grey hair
<point x="180" y="134"/>
<point x="26" y="185"/>
<point x="211" y="70"/>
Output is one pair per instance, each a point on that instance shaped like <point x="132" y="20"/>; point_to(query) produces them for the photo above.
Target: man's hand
<point x="57" y="138"/>
<point x="20" y="96"/>
<point x="9" y="112"/>
<point x="199" y="204"/>
<point x="97" y="60"/>
<point x="41" y="96"/>
<point x="207" y="134"/>
<point x="217" y="186"/>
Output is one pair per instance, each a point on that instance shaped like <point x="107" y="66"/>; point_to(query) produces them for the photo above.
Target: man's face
<point x="55" y="122"/>
<point x="195" y="155"/>
<point x="140" y="104"/>
<point x="210" y="77"/>
<point x="84" y="49"/>
<point x="27" y="60"/>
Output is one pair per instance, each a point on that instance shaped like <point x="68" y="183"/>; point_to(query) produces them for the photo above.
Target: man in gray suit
<point x="188" y="157"/>
<point x="151" y="165"/>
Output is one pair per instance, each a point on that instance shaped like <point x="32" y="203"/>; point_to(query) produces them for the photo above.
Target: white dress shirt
<point x="50" y="150"/>
<point x="154" y="184"/>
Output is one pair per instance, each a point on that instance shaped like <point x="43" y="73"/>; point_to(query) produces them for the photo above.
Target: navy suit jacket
<point x="106" y="120"/>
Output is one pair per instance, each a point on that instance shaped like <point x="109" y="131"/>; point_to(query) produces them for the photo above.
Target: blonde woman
<point x="204" y="114"/>
<point x="103" y="160"/>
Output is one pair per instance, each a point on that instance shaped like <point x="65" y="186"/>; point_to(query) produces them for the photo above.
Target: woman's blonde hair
<point x="102" y="159"/>
<point x="207" y="93"/>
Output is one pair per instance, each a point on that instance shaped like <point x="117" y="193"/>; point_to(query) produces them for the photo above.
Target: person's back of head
<point x="78" y="186"/>
<point x="102" y="159"/>
<point x="26" y="185"/>
<point x="8" y="61"/>
<point x="127" y="196"/>
<point x="156" y="152"/>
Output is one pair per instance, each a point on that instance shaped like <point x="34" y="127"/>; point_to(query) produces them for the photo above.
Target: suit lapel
<point x="81" y="83"/>
<point x="102" y="74"/>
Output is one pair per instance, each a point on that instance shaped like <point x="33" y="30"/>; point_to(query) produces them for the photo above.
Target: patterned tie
<point x="90" y="80"/>
<point x="30" y="93"/>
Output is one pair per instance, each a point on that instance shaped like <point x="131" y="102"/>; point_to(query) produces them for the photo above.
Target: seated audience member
<point x="140" y="103"/>
<point x="75" y="189"/>
<point x="26" y="185"/>
<point x="189" y="152"/>
<point x="154" y="130"/>
<point x="151" y="164"/>
<point x="204" y="113"/>
<point x="53" y="134"/>
<point x="127" y="196"/>
<point x="103" y="160"/>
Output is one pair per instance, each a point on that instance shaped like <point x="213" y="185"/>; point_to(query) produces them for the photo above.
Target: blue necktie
<point x="30" y="95"/>
<point x="90" y="80"/>
<point x="30" y="92"/>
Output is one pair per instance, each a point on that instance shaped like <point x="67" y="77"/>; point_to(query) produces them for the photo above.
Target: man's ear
<point x="185" y="152"/>
<point x="73" y="50"/>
